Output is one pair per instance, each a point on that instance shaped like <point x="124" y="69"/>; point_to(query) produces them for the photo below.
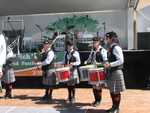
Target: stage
<point x="28" y="101"/>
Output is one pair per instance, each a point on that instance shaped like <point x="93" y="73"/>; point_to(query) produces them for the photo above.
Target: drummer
<point x="8" y="73"/>
<point x="98" y="55"/>
<point x="47" y="63"/>
<point x="72" y="59"/>
<point x="115" y="77"/>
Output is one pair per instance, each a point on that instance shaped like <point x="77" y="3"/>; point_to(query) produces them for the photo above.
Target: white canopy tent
<point x="28" y="7"/>
<point x="22" y="7"/>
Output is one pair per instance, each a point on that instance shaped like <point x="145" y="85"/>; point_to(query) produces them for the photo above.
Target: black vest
<point x="72" y="58"/>
<point x="98" y="57"/>
<point x="112" y="58"/>
<point x="48" y="66"/>
<point x="9" y="63"/>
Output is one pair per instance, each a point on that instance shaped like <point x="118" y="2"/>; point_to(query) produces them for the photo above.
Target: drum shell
<point x="63" y="74"/>
<point x="96" y="76"/>
<point x="83" y="71"/>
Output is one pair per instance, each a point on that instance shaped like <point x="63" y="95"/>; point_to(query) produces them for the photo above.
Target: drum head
<point x="96" y="69"/>
<point x="63" y="69"/>
<point x="51" y="70"/>
<point x="87" y="67"/>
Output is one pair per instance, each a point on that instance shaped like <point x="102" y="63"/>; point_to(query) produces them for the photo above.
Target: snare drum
<point x="96" y="76"/>
<point x="83" y="70"/>
<point x="63" y="74"/>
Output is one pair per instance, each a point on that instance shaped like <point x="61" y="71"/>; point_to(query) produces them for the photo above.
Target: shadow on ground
<point x="62" y="106"/>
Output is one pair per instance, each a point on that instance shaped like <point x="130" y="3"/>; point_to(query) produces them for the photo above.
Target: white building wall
<point x="143" y="19"/>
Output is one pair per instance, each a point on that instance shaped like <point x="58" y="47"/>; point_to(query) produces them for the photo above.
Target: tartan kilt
<point x="8" y="76"/>
<point x="49" y="78"/>
<point x="74" y="79"/>
<point x="115" y="81"/>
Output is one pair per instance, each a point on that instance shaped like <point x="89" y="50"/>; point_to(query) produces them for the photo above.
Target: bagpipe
<point x="37" y="57"/>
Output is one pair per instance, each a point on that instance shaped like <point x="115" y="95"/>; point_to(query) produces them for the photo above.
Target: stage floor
<point x="28" y="101"/>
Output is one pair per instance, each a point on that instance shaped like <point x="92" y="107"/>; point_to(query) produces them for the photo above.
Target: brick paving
<point x="28" y="101"/>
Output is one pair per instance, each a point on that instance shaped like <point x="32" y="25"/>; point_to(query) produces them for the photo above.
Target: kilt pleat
<point x="74" y="78"/>
<point x="9" y="76"/>
<point x="49" y="79"/>
<point x="115" y="81"/>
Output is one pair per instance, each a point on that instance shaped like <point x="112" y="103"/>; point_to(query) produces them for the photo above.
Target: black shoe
<point x="71" y="101"/>
<point x="50" y="101"/>
<point x="8" y="96"/>
<point x="45" y="97"/>
<point x="68" y="100"/>
<point x="113" y="110"/>
<point x="96" y="103"/>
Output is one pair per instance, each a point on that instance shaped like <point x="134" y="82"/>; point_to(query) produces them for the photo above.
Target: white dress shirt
<point x="117" y="51"/>
<point x="76" y="55"/>
<point x="103" y="53"/>
<point x="2" y="51"/>
<point x="50" y="57"/>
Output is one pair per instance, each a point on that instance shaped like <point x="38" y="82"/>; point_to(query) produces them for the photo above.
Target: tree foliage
<point x="80" y="23"/>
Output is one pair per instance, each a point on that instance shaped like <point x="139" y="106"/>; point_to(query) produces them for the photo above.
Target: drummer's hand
<point x="34" y="61"/>
<point x="70" y="65"/>
<point x="107" y="65"/>
<point x="58" y="65"/>
<point x="85" y="62"/>
<point x="39" y="63"/>
<point x="39" y="67"/>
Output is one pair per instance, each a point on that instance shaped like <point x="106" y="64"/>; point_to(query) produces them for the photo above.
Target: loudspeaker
<point x="143" y="40"/>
